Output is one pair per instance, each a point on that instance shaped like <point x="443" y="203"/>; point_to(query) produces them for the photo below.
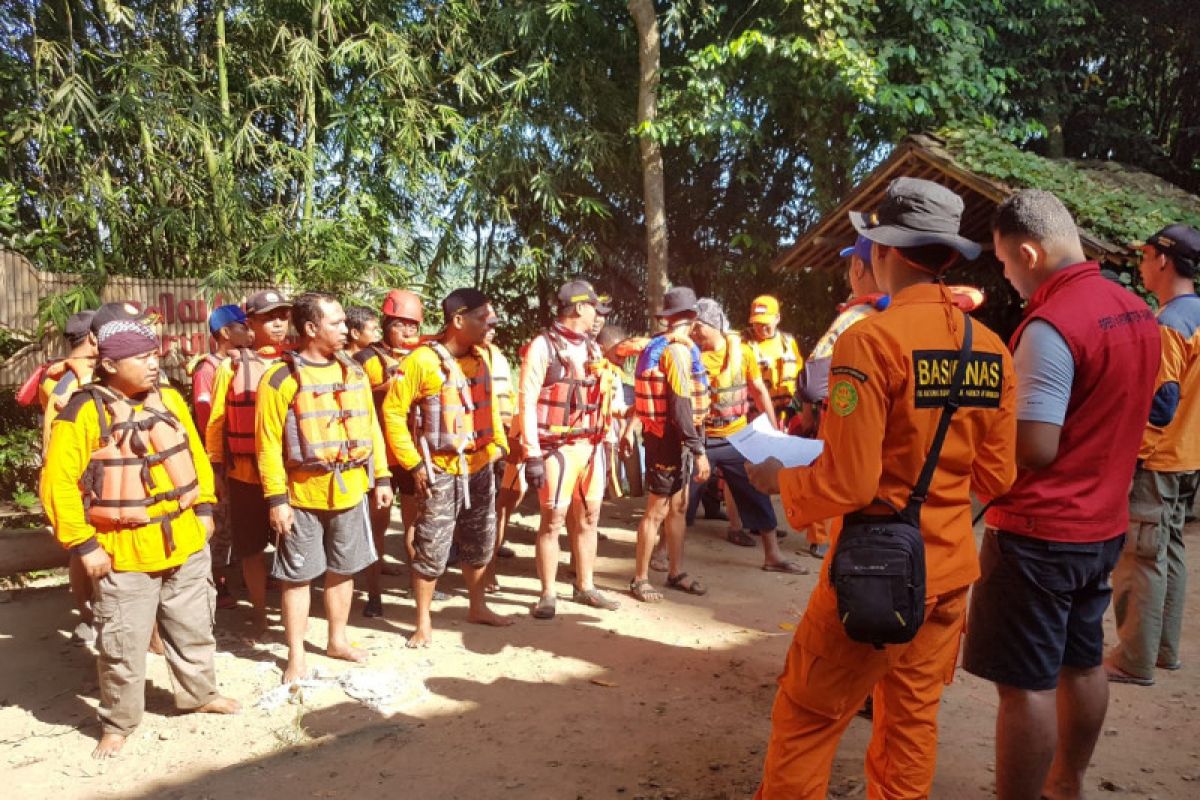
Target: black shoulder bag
<point x="878" y="566"/>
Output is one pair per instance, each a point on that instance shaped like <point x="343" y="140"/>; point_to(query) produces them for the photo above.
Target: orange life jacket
<point x="328" y="425"/>
<point x="730" y="397"/>
<point x="117" y="486"/>
<point x="568" y="405"/>
<point x="458" y="419"/>
<point x="248" y="368"/>
<point x="779" y="375"/>
<point x="650" y="384"/>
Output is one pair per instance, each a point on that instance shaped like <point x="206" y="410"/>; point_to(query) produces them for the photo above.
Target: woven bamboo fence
<point x="178" y="303"/>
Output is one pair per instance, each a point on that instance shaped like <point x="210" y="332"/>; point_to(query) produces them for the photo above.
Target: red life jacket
<point x="729" y="393"/>
<point x="1114" y="339"/>
<point x="650" y="383"/>
<point x="212" y="359"/>
<point x="568" y="404"/>
<point x="328" y="425"/>
<point x="248" y="368"/>
<point x="118" y="486"/>
<point x="458" y="419"/>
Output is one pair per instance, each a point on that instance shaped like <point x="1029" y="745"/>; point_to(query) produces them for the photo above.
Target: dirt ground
<point x="652" y="701"/>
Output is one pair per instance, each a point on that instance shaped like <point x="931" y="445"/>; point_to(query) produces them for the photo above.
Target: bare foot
<point x="346" y="652"/>
<point x="422" y="637"/>
<point x="491" y="587"/>
<point x="219" y="705"/>
<point x="297" y="671"/>
<point x="109" y="745"/>
<point x="489" y="617"/>
<point x="156" y="643"/>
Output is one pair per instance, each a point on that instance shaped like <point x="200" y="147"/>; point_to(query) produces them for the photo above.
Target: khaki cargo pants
<point x="127" y="604"/>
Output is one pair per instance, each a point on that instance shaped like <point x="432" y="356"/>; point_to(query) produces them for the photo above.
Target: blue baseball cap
<point x="225" y="315"/>
<point x="860" y="248"/>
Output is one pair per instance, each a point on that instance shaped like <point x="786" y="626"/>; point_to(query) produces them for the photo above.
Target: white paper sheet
<point x="758" y="441"/>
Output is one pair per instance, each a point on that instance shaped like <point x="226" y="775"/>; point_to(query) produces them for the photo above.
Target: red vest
<point x="1083" y="495"/>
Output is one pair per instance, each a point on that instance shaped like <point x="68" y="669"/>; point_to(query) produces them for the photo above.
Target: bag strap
<point x="921" y="490"/>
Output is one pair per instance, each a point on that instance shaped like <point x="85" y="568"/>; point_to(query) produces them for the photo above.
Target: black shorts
<point x="402" y="480"/>
<point x="249" y="518"/>
<point x="667" y="464"/>
<point x="1038" y="607"/>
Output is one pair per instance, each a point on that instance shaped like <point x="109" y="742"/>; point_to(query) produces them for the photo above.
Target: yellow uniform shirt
<point x="780" y="362"/>
<point x="61" y="381"/>
<point x="74" y="436"/>
<point x="312" y="489"/>
<point x="713" y="361"/>
<point x="422" y="378"/>
<point x="1171" y="442"/>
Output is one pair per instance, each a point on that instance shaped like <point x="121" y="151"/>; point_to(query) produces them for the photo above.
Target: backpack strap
<point x="921" y="490"/>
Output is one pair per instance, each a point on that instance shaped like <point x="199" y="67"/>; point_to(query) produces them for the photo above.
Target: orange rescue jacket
<point x="116" y="486"/>
<point x="458" y="419"/>
<point x="328" y="426"/>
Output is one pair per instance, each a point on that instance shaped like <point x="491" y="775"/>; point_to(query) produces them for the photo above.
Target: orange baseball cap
<point x="764" y="309"/>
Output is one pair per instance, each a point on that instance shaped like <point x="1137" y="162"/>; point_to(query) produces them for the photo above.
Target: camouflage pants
<point x="444" y="519"/>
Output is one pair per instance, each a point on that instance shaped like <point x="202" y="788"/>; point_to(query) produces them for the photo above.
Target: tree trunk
<point x="652" y="161"/>
<point x="310" y="123"/>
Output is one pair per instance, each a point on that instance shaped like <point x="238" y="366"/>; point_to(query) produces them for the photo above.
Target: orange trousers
<point x="826" y="680"/>
<point x="818" y="532"/>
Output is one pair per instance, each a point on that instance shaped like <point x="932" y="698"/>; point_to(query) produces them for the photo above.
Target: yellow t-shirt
<point x="422" y="378"/>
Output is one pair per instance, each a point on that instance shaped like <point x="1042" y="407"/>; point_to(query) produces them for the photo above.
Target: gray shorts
<point x="320" y="541"/>
<point x="444" y="519"/>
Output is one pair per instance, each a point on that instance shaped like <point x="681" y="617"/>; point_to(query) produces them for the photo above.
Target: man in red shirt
<point x="1086" y="359"/>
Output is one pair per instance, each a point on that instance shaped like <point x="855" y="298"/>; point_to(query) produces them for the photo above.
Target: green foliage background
<point x="356" y="146"/>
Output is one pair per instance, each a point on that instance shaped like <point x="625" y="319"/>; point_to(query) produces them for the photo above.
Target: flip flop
<point x="790" y="567"/>
<point x="1117" y="675"/>
<point x="740" y="538"/>
<point x="694" y="586"/>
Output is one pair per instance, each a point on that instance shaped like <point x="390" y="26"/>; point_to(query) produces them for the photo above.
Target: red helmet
<point x="403" y="304"/>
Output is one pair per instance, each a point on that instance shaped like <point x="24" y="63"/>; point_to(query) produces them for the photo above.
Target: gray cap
<point x="709" y="312"/>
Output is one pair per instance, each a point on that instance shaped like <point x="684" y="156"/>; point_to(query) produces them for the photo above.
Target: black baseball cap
<point x="915" y="213"/>
<point x="1180" y="242"/>
<point x="78" y="326"/>
<point x="604" y="304"/>
<point x="114" y="312"/>
<point x="462" y="301"/>
<point x="266" y="300"/>
<point x="573" y="292"/>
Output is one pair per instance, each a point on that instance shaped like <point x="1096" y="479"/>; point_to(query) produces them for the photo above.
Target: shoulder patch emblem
<point x="843" y="398"/>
